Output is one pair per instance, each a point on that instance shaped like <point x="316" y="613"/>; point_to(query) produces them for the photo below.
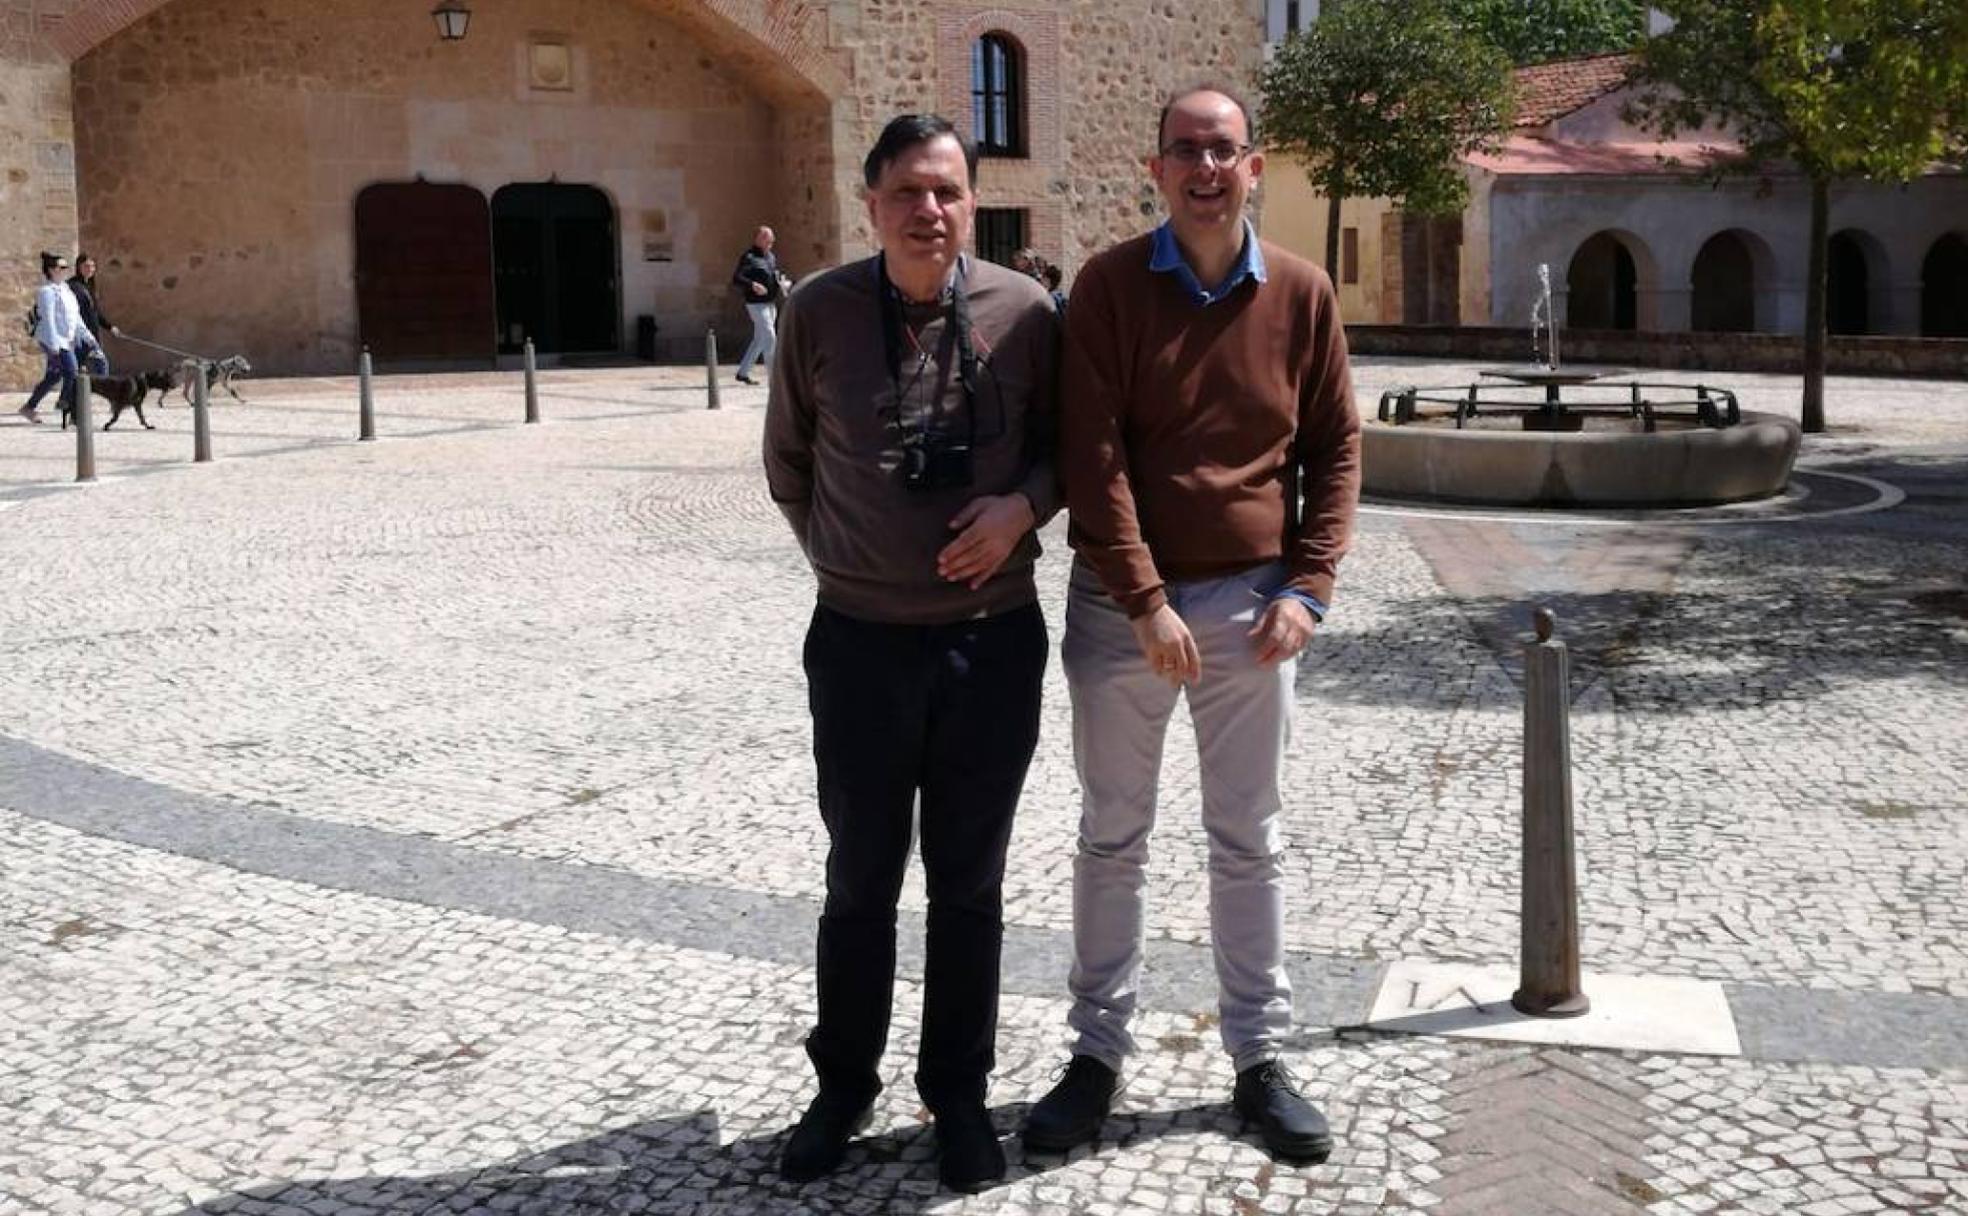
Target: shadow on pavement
<point x="678" y="1166"/>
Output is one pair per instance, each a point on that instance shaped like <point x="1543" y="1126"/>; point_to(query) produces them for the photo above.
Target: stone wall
<point x="37" y="172"/>
<point x="223" y="143"/>
<point x="1098" y="73"/>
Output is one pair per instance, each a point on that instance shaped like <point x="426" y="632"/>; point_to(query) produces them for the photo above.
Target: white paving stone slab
<point x="1629" y="1013"/>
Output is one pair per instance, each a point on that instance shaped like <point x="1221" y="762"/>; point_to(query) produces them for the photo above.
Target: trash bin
<point x="646" y="338"/>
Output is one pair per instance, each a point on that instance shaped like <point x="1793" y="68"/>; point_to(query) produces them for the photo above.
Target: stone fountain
<point x="1516" y="440"/>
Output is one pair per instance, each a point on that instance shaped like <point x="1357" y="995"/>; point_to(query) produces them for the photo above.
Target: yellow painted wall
<point x="1294" y="216"/>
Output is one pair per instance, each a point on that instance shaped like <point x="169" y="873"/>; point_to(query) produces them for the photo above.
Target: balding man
<point x="759" y="280"/>
<point x="1211" y="458"/>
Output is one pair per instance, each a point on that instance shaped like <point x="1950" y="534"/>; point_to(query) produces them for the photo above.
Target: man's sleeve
<point x="1328" y="453"/>
<point x="1041" y="484"/>
<point x="790" y="426"/>
<point x="1093" y="452"/>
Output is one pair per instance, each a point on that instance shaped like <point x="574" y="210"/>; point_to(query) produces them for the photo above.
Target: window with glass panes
<point x="1000" y="233"/>
<point x="997" y="96"/>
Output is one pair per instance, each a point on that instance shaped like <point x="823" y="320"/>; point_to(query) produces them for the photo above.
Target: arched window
<point x="997" y="96"/>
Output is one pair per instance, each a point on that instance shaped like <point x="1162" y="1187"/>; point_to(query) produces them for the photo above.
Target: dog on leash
<point x="162" y="381"/>
<point x="122" y="393"/>
<point x="219" y="374"/>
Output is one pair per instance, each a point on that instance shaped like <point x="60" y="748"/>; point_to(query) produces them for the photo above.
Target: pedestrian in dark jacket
<point x="93" y="318"/>
<point x="759" y="280"/>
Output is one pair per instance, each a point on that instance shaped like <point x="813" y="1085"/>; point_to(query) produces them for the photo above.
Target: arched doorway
<point x="557" y="262"/>
<point x="1848" y="292"/>
<point x="1724" y="286"/>
<point x="423" y="271"/>
<point x="1944" y="289"/>
<point x="1601" y="286"/>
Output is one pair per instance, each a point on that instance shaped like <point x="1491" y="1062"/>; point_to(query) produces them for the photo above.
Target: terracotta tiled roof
<point x="1531" y="156"/>
<point x="1549" y="91"/>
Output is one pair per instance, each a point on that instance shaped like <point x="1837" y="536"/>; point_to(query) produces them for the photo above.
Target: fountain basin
<point x="1623" y="465"/>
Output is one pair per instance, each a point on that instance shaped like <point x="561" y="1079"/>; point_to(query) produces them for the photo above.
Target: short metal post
<point x="1550" y="985"/>
<point x="532" y="388"/>
<point x="711" y="363"/>
<point x="201" y="416"/>
<point x="367" y="372"/>
<point x="85" y="439"/>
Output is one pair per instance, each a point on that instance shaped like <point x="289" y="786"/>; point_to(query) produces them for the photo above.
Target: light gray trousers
<point x="1242" y="716"/>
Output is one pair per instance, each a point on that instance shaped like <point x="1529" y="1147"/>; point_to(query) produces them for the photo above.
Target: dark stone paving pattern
<point x="1878" y="1029"/>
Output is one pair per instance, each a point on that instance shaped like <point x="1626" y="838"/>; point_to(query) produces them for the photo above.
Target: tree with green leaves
<point x="1383" y="98"/>
<point x="1841" y="89"/>
<point x="1534" y="31"/>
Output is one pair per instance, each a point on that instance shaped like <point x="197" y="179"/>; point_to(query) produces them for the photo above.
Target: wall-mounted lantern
<point x="453" y="17"/>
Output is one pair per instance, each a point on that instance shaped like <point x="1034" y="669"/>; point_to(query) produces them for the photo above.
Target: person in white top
<point x="59" y="332"/>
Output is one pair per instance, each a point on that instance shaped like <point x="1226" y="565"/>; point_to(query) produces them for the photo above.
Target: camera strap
<point x="896" y="331"/>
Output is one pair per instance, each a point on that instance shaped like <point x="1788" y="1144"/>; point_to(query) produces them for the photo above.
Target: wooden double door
<point x="444" y="276"/>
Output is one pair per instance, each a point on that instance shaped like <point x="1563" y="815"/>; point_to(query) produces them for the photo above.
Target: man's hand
<point x="988" y="529"/>
<point x="758" y="289"/>
<point x="1168" y="646"/>
<point x="1283" y="631"/>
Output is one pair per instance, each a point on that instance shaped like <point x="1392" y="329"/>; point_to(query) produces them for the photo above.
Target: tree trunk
<point x="1814" y="308"/>
<point x="1332" y="236"/>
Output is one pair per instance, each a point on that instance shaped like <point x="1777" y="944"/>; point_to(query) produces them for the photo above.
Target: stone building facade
<point x="293" y="179"/>
<point x="1633" y="237"/>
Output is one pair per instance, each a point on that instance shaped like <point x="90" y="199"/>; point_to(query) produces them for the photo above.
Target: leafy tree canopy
<point x="1383" y="99"/>
<point x="1840" y="88"/>
<point x="1533" y="31"/>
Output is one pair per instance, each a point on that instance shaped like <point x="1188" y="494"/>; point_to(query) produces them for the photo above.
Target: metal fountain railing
<point x="1649" y="402"/>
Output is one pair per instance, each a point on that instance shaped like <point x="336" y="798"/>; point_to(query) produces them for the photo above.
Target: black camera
<point x="935" y="462"/>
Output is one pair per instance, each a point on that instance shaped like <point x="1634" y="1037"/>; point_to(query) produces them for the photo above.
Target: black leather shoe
<point x="746" y="380"/>
<point x="821" y="1137"/>
<point x="1072" y="1112"/>
<point x="970" y="1157"/>
<point x="1292" y="1128"/>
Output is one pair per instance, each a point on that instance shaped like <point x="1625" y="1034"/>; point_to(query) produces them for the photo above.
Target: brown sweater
<point x="1182" y="426"/>
<point x="833" y="462"/>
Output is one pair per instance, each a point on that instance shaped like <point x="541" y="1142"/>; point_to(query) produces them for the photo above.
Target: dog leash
<point x="169" y="350"/>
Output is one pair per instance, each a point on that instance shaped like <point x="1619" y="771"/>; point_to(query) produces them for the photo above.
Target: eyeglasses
<point x="1223" y="153"/>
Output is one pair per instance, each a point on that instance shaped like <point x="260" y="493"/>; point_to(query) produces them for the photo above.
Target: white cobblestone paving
<point x="578" y="644"/>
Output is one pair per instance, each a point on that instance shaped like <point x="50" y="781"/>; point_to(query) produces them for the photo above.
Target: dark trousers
<point x="62" y="370"/>
<point x="949" y="713"/>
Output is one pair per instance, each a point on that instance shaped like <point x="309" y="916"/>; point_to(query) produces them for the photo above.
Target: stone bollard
<point x="1549" y="978"/>
<point x="366" y="371"/>
<point x="532" y="388"/>
<point x="85" y="439"/>
<point x="711" y="363"/>
<point x="201" y="416"/>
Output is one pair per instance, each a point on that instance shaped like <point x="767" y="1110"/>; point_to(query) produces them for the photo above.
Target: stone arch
<point x="1611" y="282"/>
<point x="1944" y="288"/>
<point x="1732" y="283"/>
<point x="1857" y="283"/>
<point x="781" y="43"/>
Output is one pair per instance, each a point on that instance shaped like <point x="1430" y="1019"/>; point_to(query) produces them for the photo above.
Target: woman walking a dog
<point x="59" y="331"/>
<point x="89" y="300"/>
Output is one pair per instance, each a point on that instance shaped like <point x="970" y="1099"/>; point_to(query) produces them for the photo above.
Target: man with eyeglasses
<point x="908" y="439"/>
<point x="1210" y="451"/>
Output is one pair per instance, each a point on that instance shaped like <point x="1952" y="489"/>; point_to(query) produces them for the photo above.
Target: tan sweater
<point x="833" y="464"/>
<point x="1182" y="425"/>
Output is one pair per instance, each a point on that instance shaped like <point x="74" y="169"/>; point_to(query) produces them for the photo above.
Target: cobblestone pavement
<point x="426" y="825"/>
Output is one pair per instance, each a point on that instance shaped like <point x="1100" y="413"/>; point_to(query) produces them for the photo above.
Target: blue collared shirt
<point x="1165" y="257"/>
